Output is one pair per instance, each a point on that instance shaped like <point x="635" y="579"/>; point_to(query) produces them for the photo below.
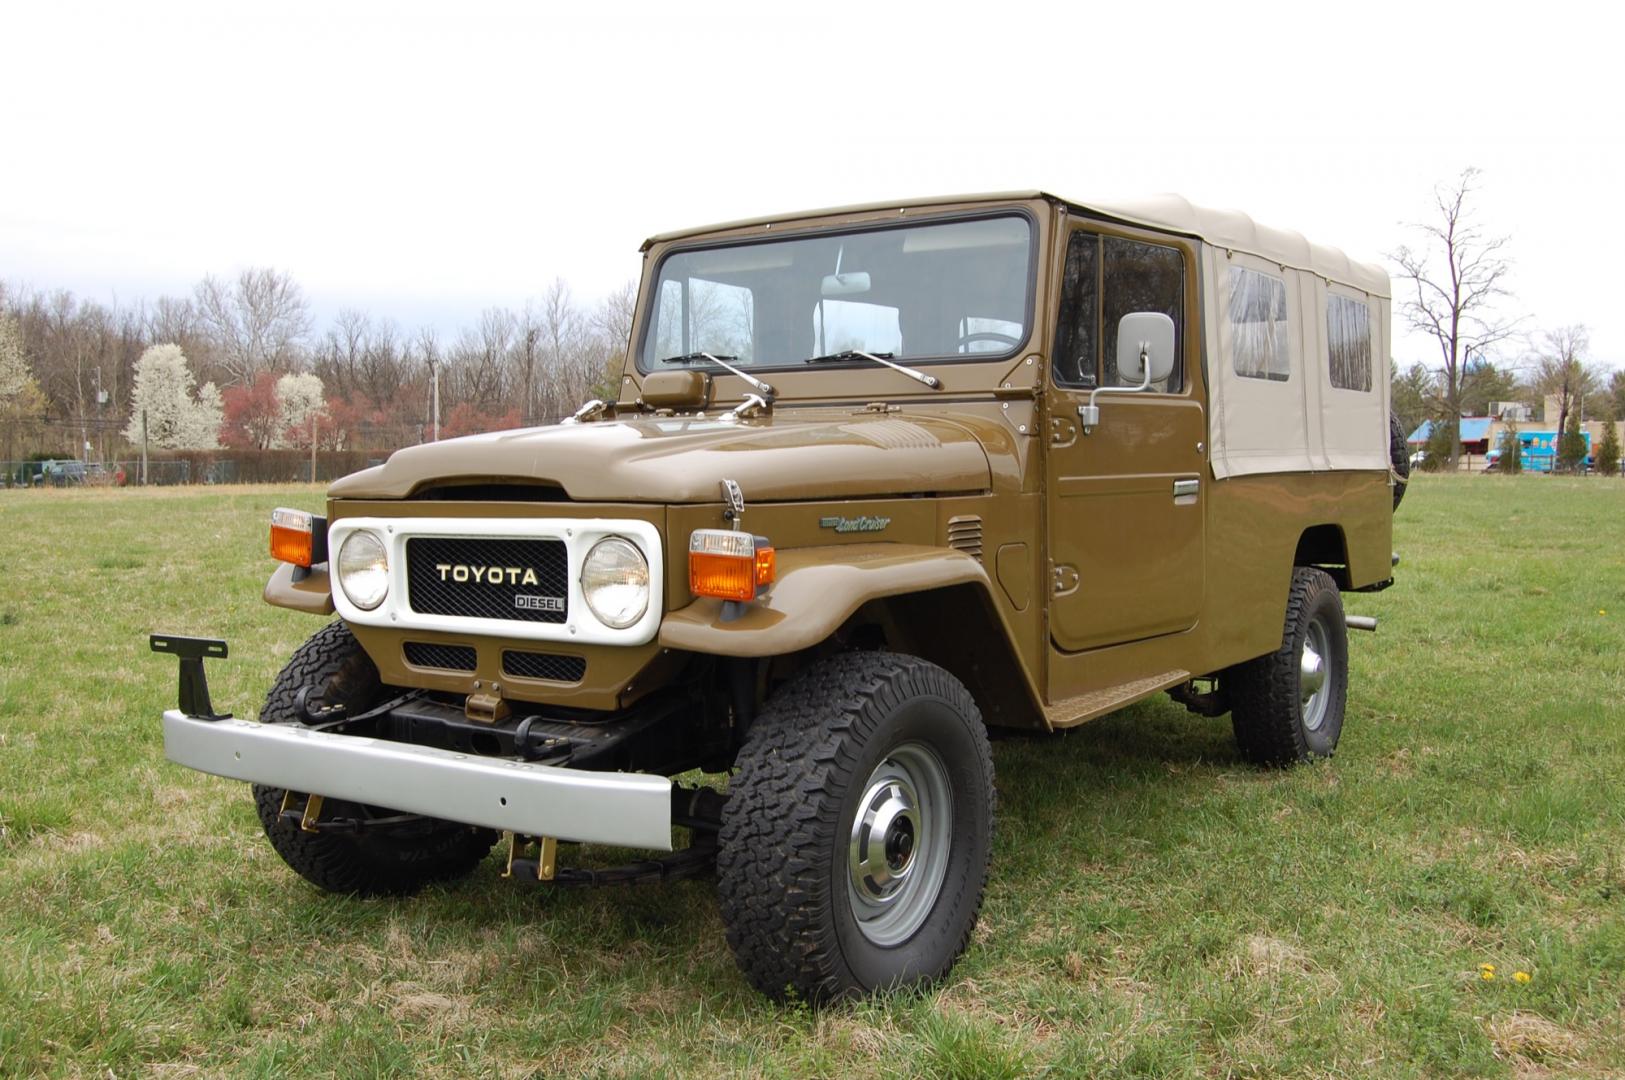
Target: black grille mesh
<point x="448" y="657"/>
<point x="536" y="665"/>
<point x="426" y="592"/>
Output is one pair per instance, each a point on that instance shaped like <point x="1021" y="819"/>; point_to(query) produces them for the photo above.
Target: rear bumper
<point x="624" y="809"/>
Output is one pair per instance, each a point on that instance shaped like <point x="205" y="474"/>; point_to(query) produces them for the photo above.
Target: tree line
<point x="240" y="362"/>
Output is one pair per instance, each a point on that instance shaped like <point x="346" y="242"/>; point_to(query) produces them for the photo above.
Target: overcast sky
<point x="425" y="162"/>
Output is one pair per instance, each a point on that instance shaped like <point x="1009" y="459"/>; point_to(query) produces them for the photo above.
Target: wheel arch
<point x="1324" y="547"/>
<point x="894" y="596"/>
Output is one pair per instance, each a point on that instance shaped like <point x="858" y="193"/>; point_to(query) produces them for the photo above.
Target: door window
<point x="1104" y="279"/>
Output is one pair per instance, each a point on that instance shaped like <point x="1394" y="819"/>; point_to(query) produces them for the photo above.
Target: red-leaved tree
<point x="253" y="415"/>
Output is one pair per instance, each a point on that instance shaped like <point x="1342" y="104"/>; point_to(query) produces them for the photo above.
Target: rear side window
<point x="1258" y="325"/>
<point x="1348" y="342"/>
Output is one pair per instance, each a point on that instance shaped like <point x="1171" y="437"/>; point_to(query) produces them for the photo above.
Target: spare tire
<point x="1398" y="457"/>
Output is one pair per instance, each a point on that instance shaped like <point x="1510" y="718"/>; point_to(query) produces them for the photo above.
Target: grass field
<point x="1156" y="908"/>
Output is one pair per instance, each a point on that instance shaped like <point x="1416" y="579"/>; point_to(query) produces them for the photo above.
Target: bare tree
<point x="257" y="323"/>
<point x="1457" y="275"/>
<point x="1561" y="370"/>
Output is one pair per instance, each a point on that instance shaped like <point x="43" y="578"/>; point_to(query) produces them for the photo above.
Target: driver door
<point x="1124" y="500"/>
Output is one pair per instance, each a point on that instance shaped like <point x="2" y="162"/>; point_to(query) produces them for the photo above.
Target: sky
<point x="425" y="162"/>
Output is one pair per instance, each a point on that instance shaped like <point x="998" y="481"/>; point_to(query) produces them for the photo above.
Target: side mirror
<point x="1148" y="335"/>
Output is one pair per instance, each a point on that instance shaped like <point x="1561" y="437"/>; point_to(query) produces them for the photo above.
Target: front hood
<point x="682" y="459"/>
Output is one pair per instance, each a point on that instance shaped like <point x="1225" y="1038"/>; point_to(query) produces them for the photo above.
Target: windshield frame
<point x="646" y="311"/>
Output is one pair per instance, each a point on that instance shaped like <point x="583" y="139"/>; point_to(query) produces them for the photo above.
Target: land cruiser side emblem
<point x="854" y="524"/>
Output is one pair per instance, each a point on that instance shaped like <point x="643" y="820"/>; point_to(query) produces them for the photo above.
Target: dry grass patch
<point x="1529" y="1037"/>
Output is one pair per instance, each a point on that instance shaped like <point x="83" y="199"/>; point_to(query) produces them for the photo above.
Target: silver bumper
<point x="624" y="809"/>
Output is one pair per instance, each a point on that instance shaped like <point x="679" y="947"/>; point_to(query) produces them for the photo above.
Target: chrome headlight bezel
<point x="617" y="563"/>
<point x="364" y="574"/>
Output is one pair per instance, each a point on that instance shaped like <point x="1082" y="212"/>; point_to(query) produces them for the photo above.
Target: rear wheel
<point x="855" y="840"/>
<point x="332" y="669"/>
<point x="1287" y="706"/>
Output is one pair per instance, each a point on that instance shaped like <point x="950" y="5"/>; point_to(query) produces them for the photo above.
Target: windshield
<point x="918" y="292"/>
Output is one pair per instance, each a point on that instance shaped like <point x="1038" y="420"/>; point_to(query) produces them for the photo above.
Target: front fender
<point x="818" y="589"/>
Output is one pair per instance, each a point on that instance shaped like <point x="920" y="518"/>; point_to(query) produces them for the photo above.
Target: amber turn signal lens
<point x="293" y="537"/>
<point x="729" y="565"/>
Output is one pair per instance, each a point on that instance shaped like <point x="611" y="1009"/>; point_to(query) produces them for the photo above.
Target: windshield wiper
<point x="880" y="358"/>
<point x="722" y="362"/>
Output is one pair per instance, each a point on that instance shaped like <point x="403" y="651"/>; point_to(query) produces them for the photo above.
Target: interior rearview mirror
<point x="848" y="284"/>
<point x="1148" y="334"/>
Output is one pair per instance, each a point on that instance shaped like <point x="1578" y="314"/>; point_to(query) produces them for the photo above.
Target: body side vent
<point x="965" y="534"/>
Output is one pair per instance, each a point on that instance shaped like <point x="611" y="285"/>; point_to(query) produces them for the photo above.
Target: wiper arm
<point x="884" y="358"/>
<point x="722" y="362"/>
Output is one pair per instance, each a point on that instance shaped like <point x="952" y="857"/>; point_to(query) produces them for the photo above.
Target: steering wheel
<point x="986" y="335"/>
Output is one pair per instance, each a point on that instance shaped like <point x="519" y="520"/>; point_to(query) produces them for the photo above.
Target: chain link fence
<point x="189" y="467"/>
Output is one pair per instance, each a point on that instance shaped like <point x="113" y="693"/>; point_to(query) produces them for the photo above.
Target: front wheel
<point x="1287" y="706"/>
<point x="392" y="859"/>
<point x="855" y="842"/>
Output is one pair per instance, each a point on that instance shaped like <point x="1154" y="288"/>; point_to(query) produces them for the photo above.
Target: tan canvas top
<point x="1231" y="230"/>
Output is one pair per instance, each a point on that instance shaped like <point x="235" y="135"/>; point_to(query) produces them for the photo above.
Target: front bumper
<point x="623" y="809"/>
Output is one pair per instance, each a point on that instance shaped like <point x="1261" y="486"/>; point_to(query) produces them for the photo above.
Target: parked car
<point x="62" y="473"/>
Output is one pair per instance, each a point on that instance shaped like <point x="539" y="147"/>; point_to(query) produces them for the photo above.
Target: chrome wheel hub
<point x="1312" y="663"/>
<point x="897" y="855"/>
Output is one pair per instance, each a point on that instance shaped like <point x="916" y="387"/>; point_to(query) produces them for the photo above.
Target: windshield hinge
<point x="880" y="407"/>
<point x="753" y="404"/>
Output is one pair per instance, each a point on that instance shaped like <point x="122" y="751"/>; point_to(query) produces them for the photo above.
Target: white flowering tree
<point x="20" y="396"/>
<point x="176" y="417"/>
<point x="303" y="403"/>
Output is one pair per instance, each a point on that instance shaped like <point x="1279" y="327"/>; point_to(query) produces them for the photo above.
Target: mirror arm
<point x="1089" y="415"/>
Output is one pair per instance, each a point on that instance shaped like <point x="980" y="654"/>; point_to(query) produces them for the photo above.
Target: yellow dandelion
<point x="1487" y="976"/>
<point x="1602" y="611"/>
<point x="1486" y="967"/>
<point x="1520" y="976"/>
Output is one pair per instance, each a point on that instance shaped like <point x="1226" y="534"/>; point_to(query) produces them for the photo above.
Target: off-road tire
<point x="783" y="863"/>
<point x="393" y="860"/>
<point x="1267" y="693"/>
<point x="1399" y="458"/>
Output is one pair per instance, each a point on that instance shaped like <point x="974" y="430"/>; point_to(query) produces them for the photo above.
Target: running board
<point x="1077" y="710"/>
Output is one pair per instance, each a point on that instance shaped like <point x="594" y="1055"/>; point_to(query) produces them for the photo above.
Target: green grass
<point x="1156" y="908"/>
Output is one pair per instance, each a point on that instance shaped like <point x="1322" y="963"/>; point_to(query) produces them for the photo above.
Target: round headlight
<point x="615" y="582"/>
<point x="364" y="570"/>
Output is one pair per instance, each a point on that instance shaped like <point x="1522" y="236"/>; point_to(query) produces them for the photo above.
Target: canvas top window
<point x="1348" y="342"/>
<point x="1260" y="340"/>
<point x="943" y="291"/>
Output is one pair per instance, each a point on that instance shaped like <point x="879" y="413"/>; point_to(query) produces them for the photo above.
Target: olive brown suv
<point x="875" y="481"/>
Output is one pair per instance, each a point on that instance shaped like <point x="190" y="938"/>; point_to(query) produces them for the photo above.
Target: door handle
<point x="1186" y="487"/>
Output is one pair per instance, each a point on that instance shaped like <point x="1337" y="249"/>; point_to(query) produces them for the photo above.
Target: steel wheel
<point x="1312" y="674"/>
<point x="855" y="839"/>
<point x="898" y="854"/>
<point x="1288" y="705"/>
